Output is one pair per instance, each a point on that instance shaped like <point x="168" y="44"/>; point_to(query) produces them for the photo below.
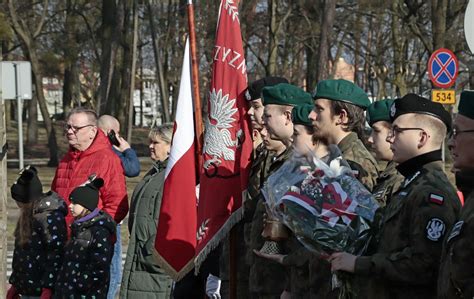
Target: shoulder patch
<point x="436" y="198"/>
<point x="435" y="229"/>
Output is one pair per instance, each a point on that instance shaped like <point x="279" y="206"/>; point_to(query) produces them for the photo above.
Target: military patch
<point x="455" y="231"/>
<point x="437" y="199"/>
<point x="393" y="110"/>
<point x="409" y="180"/>
<point x="435" y="229"/>
<point x="247" y="95"/>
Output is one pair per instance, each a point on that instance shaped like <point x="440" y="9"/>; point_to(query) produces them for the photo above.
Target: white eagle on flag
<point x="218" y="142"/>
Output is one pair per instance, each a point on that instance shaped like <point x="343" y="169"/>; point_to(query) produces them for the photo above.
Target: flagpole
<point x="195" y="80"/>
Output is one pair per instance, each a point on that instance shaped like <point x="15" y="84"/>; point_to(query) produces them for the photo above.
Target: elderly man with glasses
<point x="456" y="274"/>
<point x="90" y="153"/>
<point x="419" y="216"/>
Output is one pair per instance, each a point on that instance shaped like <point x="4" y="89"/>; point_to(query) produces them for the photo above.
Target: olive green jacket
<point x="142" y="277"/>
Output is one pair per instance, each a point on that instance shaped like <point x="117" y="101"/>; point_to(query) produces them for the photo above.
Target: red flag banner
<point x="175" y="241"/>
<point x="227" y="143"/>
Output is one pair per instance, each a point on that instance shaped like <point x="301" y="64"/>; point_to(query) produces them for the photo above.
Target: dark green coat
<point x="388" y="182"/>
<point x="414" y="224"/>
<point x="456" y="274"/>
<point x="142" y="277"/>
<point x="359" y="158"/>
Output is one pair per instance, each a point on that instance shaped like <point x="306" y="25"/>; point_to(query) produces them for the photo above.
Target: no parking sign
<point x="443" y="68"/>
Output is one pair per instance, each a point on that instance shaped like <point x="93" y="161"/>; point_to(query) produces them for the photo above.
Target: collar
<point x="412" y="165"/>
<point x="160" y="165"/>
<point x="89" y="216"/>
<point x="347" y="142"/>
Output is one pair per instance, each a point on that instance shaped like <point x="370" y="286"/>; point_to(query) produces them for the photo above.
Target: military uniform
<point x="456" y="274"/>
<point x="361" y="161"/>
<point x="388" y="182"/>
<point x="413" y="228"/>
<point x="267" y="278"/>
<point x="242" y="231"/>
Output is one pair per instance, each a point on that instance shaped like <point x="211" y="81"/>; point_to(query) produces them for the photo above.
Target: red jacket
<point x="75" y="168"/>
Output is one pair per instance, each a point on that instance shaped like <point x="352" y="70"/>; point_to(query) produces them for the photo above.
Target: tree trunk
<point x="71" y="84"/>
<point x="32" y="121"/>
<point x="3" y="201"/>
<point x="326" y="32"/>
<point x="272" y="38"/>
<point x="132" y="73"/>
<point x="438" y="22"/>
<point x="164" y="95"/>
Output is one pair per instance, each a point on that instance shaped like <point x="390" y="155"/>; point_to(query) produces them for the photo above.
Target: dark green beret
<point x="379" y="110"/>
<point x="342" y="90"/>
<point x="412" y="103"/>
<point x="300" y="114"/>
<point x="466" y="104"/>
<point x="254" y="90"/>
<point x="285" y="94"/>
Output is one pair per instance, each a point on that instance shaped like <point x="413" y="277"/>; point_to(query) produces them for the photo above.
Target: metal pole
<point x="20" y="120"/>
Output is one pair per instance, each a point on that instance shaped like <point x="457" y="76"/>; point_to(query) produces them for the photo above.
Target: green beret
<point x="300" y="114"/>
<point x="412" y="103"/>
<point x="466" y="104"/>
<point x="342" y="90"/>
<point x="379" y="110"/>
<point x="285" y="94"/>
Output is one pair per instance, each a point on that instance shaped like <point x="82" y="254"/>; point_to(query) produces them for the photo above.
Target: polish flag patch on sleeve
<point x="437" y="199"/>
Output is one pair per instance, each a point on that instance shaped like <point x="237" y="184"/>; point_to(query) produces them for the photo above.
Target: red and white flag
<point x="227" y="143"/>
<point x="175" y="240"/>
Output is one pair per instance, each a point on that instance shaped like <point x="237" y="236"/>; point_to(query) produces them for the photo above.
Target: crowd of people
<point x="68" y="241"/>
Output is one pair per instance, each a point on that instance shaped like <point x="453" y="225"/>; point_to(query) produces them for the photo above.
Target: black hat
<point x="28" y="186"/>
<point x="412" y="103"/>
<point x="87" y="195"/>
<point x="254" y="90"/>
<point x="466" y="103"/>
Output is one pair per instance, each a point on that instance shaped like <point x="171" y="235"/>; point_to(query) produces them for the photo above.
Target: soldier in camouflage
<point x="338" y="118"/>
<point x="418" y="216"/>
<point x="378" y="118"/>
<point x="255" y="111"/>
<point x="456" y="274"/>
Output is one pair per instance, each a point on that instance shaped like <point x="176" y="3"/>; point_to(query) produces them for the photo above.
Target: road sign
<point x="443" y="68"/>
<point x="15" y="79"/>
<point x="443" y="96"/>
<point x="469" y="25"/>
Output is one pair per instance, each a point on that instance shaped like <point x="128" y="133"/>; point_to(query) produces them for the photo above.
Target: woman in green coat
<point x="142" y="277"/>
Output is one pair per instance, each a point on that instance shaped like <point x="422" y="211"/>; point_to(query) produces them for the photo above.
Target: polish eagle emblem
<point x="218" y="143"/>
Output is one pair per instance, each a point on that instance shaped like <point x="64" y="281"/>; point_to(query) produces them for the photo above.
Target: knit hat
<point x="466" y="103"/>
<point x="28" y="186"/>
<point x="412" y="103"/>
<point x="87" y="195"/>
<point x="254" y="91"/>
<point x="342" y="90"/>
<point x="379" y="110"/>
<point x="300" y="115"/>
<point x="285" y="94"/>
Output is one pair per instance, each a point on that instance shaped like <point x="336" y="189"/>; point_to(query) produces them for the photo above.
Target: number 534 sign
<point x="443" y="96"/>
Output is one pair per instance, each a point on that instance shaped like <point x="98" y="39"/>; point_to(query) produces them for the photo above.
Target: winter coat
<point x="142" y="277"/>
<point x="99" y="158"/>
<point x="87" y="257"/>
<point x="36" y="264"/>
<point x="130" y="162"/>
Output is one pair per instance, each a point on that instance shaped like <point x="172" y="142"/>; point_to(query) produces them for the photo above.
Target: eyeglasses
<point x="75" y="129"/>
<point x="395" y="130"/>
<point x="455" y="132"/>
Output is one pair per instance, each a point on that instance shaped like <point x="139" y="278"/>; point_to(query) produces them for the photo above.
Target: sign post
<point x="16" y="84"/>
<point x="443" y="69"/>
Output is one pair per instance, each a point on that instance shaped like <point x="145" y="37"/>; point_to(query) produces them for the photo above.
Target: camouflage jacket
<point x="266" y="278"/>
<point x="257" y="172"/>
<point x="361" y="161"/>
<point x="414" y="224"/>
<point x="456" y="274"/>
<point x="388" y="183"/>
